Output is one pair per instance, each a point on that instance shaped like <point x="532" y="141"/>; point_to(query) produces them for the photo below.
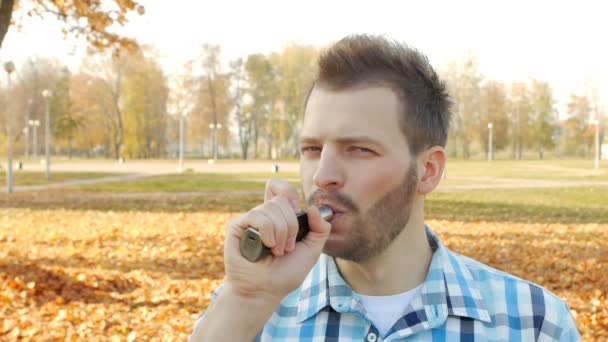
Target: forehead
<point x="371" y="111"/>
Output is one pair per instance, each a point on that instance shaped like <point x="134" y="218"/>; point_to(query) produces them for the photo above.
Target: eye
<point x="361" y="150"/>
<point x="307" y="150"/>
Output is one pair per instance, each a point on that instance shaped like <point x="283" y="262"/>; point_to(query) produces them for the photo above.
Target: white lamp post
<point x="34" y="124"/>
<point x="596" y="122"/>
<point x="215" y="127"/>
<point x="9" y="67"/>
<point x="490" y="147"/>
<point x="47" y="134"/>
<point x="26" y="130"/>
<point x="183" y="110"/>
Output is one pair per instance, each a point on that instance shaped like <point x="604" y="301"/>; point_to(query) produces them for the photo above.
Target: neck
<point x="402" y="266"/>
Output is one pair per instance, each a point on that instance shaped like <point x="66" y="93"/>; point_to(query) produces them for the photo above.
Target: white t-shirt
<point x="384" y="311"/>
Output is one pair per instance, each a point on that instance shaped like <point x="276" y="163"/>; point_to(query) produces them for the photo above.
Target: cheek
<point x="369" y="186"/>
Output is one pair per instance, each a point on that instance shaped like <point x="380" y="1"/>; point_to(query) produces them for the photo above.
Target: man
<point x="372" y="147"/>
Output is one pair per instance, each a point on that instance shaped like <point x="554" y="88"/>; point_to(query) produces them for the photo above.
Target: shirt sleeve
<point x="569" y="331"/>
<point x="214" y="295"/>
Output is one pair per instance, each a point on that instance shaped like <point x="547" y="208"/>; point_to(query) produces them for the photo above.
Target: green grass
<point x="240" y="192"/>
<point x="21" y="178"/>
<point x="566" y="205"/>
<point x="192" y="182"/>
<point x="569" y="169"/>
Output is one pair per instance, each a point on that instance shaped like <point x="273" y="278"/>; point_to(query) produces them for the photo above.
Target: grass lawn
<point x="21" y="178"/>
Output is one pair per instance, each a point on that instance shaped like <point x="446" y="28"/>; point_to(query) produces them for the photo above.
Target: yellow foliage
<point x="74" y="275"/>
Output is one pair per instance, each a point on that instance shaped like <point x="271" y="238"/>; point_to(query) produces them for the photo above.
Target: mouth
<point x="337" y="210"/>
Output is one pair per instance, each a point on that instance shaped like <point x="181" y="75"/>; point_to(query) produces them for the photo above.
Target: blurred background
<point x="122" y="75"/>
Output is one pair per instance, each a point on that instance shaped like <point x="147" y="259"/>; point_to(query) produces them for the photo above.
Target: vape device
<point x="251" y="244"/>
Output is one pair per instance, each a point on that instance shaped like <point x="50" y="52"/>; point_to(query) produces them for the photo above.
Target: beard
<point x="372" y="231"/>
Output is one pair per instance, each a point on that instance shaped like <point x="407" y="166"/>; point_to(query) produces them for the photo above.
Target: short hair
<point x="367" y="60"/>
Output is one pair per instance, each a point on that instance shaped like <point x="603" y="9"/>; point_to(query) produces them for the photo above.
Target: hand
<point x="276" y="275"/>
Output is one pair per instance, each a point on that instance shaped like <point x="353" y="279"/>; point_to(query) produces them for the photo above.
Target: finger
<point x="308" y="250"/>
<point x="276" y="187"/>
<point x="257" y="219"/>
<point x="290" y="218"/>
<point x="274" y="213"/>
<point x="319" y="228"/>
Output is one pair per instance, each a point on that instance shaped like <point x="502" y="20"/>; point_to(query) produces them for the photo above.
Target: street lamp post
<point x="26" y="130"/>
<point x="182" y="118"/>
<point x="26" y="134"/>
<point x="596" y="122"/>
<point x="490" y="146"/>
<point x="183" y="110"/>
<point x="9" y="67"/>
<point x="34" y="124"/>
<point x="215" y="127"/>
<point x="47" y="134"/>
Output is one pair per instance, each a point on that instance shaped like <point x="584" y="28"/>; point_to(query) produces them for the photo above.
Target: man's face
<point x="355" y="158"/>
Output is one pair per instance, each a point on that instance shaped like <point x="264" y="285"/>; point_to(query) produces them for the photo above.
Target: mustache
<point x="332" y="197"/>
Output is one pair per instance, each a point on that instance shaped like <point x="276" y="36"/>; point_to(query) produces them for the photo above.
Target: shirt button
<point x="372" y="337"/>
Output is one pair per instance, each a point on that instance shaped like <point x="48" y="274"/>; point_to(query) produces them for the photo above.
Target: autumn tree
<point x="543" y="117"/>
<point x="242" y="118"/>
<point x="520" y="108"/>
<point x="494" y="108"/>
<point x="296" y="67"/>
<point x="33" y="76"/>
<point x="464" y="80"/>
<point x="263" y="91"/>
<point x="575" y="127"/>
<point x="92" y="105"/>
<point x="213" y="103"/>
<point x="144" y="99"/>
<point x="89" y="19"/>
<point x="65" y="122"/>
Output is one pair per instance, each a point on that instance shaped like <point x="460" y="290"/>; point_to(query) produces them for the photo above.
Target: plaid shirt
<point x="460" y="300"/>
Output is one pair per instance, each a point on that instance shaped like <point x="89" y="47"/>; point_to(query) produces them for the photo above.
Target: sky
<point x="561" y="42"/>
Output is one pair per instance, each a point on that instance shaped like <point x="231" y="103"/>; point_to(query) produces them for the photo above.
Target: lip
<point x="336" y="209"/>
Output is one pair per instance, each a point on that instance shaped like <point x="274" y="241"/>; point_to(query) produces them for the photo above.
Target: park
<point x="133" y="132"/>
<point x="138" y="259"/>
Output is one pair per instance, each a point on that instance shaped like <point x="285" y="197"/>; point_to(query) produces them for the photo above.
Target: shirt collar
<point x="449" y="289"/>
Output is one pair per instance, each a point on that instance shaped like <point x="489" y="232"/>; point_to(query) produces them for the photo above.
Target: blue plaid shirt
<point x="460" y="300"/>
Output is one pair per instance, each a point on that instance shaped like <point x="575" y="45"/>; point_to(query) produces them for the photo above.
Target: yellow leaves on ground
<point x="88" y="274"/>
<point x="94" y="275"/>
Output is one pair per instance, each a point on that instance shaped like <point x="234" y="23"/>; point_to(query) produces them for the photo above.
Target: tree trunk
<point x="6" y="12"/>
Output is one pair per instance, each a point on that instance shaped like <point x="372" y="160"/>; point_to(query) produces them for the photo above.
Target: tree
<point x="296" y="67"/>
<point x="494" y="109"/>
<point x="65" y="123"/>
<point x="35" y="74"/>
<point x="243" y="119"/>
<point x="520" y="108"/>
<point x="91" y="19"/>
<point x="463" y="80"/>
<point x="575" y="127"/>
<point x="91" y="103"/>
<point x="263" y="90"/>
<point x="144" y="99"/>
<point x="212" y="99"/>
<point x="542" y="116"/>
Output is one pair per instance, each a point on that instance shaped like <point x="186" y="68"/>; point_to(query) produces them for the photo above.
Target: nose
<point x="329" y="174"/>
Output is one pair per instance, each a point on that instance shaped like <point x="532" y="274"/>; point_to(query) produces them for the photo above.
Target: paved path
<point x="163" y="167"/>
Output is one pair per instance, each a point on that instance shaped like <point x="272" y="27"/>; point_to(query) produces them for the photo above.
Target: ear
<point x="431" y="164"/>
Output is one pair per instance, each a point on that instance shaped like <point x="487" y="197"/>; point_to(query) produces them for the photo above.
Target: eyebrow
<point x="343" y="140"/>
